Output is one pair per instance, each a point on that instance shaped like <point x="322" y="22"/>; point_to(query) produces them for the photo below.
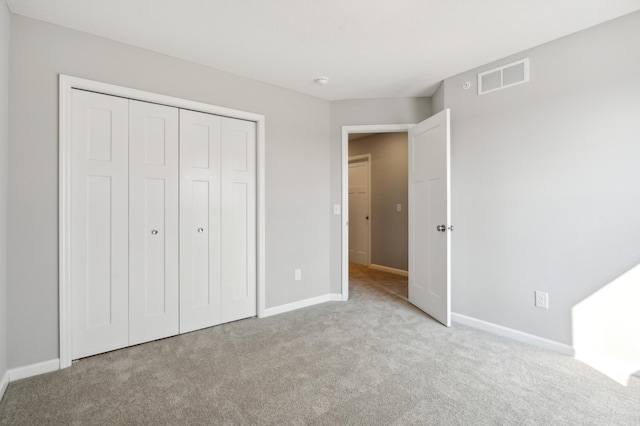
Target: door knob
<point x="201" y="230"/>
<point x="441" y="228"/>
<point x="154" y="232"/>
<point x="366" y="217"/>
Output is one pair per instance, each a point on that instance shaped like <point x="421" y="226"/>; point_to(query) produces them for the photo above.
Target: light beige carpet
<point x="374" y="360"/>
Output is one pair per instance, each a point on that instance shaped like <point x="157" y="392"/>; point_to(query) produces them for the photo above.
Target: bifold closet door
<point x="200" y="263"/>
<point x="153" y="222"/>
<point x="163" y="221"/>
<point x="217" y="220"/>
<point x="238" y="219"/>
<point x="99" y="223"/>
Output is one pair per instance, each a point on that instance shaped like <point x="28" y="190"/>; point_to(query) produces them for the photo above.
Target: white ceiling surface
<point x="367" y="48"/>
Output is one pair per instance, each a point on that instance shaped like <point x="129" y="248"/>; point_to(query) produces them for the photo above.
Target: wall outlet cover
<point x="542" y="299"/>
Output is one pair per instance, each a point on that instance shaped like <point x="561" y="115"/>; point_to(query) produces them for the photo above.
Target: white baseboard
<point x="34" y="369"/>
<point x="301" y="304"/>
<point x="4" y="382"/>
<point x="390" y="270"/>
<point x="520" y="336"/>
<point x="336" y="297"/>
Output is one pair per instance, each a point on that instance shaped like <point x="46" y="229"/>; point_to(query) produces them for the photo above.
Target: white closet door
<point x="153" y="222"/>
<point x="200" y="268"/>
<point x="99" y="223"/>
<point x="238" y="219"/>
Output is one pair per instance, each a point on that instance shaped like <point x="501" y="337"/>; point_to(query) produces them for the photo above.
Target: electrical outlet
<point x="542" y="299"/>
<point x="298" y="274"/>
<point x="398" y="208"/>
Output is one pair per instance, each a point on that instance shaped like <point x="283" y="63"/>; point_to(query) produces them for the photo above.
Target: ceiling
<point x="367" y="48"/>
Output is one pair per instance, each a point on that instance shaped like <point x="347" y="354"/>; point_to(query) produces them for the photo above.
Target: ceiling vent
<point x="502" y="77"/>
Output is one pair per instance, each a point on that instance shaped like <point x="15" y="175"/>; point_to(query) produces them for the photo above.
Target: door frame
<point x="364" y="158"/>
<point x="66" y="84"/>
<point x="346" y="131"/>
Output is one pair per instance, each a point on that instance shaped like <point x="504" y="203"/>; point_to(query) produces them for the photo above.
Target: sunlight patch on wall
<point x="606" y="328"/>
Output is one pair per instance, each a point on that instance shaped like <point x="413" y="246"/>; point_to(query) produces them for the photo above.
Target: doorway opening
<point x="390" y="207"/>
<point x="429" y="212"/>
<point x="378" y="215"/>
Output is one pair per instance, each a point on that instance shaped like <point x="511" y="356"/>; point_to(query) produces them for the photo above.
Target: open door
<point x="430" y="217"/>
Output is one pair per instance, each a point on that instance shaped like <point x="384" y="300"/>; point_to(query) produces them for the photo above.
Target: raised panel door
<point x="430" y="217"/>
<point x="200" y="220"/>
<point x="238" y="285"/>
<point x="153" y="222"/>
<point x="99" y="223"/>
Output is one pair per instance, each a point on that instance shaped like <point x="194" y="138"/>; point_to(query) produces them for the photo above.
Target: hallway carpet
<point x="373" y="360"/>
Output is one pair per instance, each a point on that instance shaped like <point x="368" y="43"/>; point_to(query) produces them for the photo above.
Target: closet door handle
<point x="154" y="232"/>
<point x="200" y="230"/>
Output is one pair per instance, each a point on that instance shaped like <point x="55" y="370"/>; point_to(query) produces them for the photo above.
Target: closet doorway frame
<point x="66" y="85"/>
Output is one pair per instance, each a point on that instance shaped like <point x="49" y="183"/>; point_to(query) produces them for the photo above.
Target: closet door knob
<point x="154" y="232"/>
<point x="201" y="230"/>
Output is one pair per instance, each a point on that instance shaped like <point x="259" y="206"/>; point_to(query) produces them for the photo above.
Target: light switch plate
<point x="336" y="209"/>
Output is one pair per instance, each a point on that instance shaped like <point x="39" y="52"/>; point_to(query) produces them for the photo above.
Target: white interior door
<point x="148" y="261"/>
<point x="217" y="220"/>
<point x="238" y="292"/>
<point x="153" y="222"/>
<point x="359" y="215"/>
<point x="430" y="217"/>
<point x="99" y="223"/>
<point x="131" y="269"/>
<point x="200" y="220"/>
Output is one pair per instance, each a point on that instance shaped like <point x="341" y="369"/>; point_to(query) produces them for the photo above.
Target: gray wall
<point x="437" y="100"/>
<point x="389" y="186"/>
<point x="297" y="168"/>
<point x="546" y="180"/>
<point x="4" y="166"/>
<point x="356" y="112"/>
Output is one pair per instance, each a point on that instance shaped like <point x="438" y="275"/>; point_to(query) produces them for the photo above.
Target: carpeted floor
<point x="374" y="360"/>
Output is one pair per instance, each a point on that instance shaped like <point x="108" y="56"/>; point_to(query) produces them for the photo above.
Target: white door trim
<point x="67" y="83"/>
<point x="367" y="159"/>
<point x="346" y="130"/>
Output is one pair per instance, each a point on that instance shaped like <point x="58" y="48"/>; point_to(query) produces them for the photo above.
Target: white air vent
<point x="503" y="77"/>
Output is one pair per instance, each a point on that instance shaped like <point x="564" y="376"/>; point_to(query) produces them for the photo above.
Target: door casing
<point x="66" y="84"/>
